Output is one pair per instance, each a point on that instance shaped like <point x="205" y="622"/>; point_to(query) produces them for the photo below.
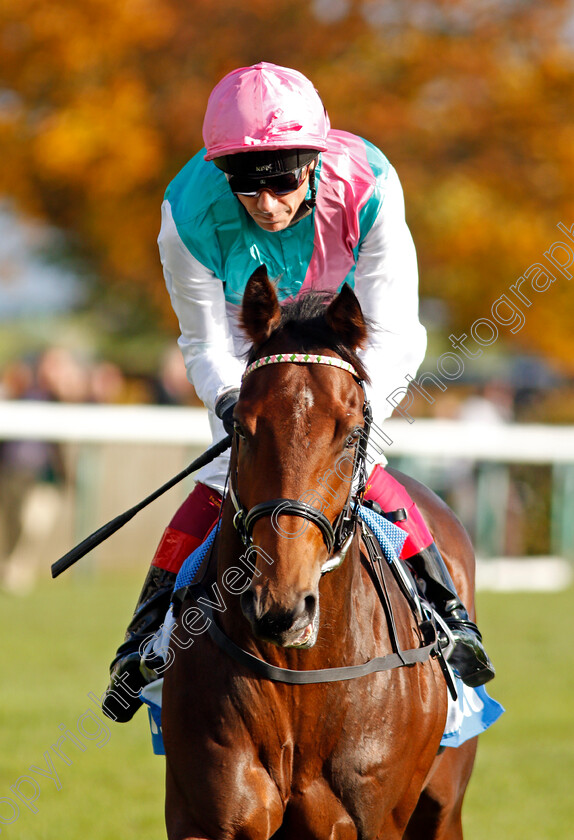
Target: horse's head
<point x="299" y="430"/>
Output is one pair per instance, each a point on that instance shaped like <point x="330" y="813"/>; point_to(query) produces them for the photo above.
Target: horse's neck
<point x="347" y="597"/>
<point x="231" y="573"/>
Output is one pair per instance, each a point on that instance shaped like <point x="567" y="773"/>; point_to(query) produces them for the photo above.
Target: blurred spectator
<point x="107" y="383"/>
<point x="17" y="380"/>
<point x="61" y="377"/>
<point x="172" y="386"/>
<point x="494" y="403"/>
<point x="32" y="473"/>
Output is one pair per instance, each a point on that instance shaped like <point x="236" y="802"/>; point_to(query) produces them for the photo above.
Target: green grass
<point x="522" y="784"/>
<point x="57" y="643"/>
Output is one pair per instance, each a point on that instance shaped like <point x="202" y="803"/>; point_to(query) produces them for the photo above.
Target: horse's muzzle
<point x="293" y="625"/>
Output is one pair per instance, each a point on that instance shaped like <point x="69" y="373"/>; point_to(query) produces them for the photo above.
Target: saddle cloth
<point x="473" y="712"/>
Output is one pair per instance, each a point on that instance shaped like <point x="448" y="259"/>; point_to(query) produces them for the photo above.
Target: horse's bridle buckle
<point x="338" y="558"/>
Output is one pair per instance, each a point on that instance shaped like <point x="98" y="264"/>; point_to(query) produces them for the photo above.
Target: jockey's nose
<point x="266" y="201"/>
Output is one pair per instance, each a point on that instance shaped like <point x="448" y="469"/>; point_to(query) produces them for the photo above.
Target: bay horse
<point x="251" y="757"/>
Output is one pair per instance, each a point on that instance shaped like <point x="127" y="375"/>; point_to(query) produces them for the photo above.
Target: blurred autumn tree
<point x="102" y="102"/>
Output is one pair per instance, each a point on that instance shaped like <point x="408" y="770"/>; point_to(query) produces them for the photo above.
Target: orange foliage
<point x="102" y="102"/>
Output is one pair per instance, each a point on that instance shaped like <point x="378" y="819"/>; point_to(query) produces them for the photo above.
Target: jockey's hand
<point x="224" y="406"/>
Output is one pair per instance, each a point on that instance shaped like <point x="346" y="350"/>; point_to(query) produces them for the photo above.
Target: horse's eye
<point x="238" y="430"/>
<point x="353" y="437"/>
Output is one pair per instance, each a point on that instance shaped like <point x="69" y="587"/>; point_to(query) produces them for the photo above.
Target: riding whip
<point x="114" y="525"/>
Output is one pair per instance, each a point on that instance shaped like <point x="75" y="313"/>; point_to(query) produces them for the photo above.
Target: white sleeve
<point x="386" y="284"/>
<point x="198" y="300"/>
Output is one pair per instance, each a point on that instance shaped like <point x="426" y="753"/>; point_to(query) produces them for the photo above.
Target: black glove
<point x="224" y="406"/>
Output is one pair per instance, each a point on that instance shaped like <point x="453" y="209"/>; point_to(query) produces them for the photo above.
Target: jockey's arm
<point x="198" y="300"/>
<point x="386" y="283"/>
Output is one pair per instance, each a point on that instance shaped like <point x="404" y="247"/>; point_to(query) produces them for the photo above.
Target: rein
<point x="322" y="675"/>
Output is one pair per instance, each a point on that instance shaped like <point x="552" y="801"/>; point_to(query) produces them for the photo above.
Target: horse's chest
<point x="336" y="731"/>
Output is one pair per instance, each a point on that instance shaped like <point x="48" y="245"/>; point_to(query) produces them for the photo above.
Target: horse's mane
<point x="303" y="322"/>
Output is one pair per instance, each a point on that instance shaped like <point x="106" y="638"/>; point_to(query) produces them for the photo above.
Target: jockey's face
<point x="274" y="212"/>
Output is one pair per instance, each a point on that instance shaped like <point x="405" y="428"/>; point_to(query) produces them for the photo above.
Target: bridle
<point x="338" y="535"/>
<point x="338" y="538"/>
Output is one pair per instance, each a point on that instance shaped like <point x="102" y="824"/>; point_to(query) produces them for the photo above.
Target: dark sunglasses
<point x="283" y="184"/>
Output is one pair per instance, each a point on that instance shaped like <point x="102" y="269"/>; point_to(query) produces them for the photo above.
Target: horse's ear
<point x="345" y="317"/>
<point x="260" y="312"/>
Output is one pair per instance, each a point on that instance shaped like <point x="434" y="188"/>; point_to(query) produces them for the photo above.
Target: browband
<point x="301" y="358"/>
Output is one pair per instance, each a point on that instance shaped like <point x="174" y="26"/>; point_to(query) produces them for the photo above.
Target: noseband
<point x="337" y="536"/>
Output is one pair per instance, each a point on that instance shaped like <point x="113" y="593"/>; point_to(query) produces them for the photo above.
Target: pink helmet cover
<point x="264" y="107"/>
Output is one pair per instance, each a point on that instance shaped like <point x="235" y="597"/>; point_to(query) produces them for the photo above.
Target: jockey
<point x="275" y="185"/>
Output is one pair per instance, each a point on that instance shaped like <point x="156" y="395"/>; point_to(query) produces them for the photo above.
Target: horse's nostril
<point x="247" y="601"/>
<point x="310" y="603"/>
